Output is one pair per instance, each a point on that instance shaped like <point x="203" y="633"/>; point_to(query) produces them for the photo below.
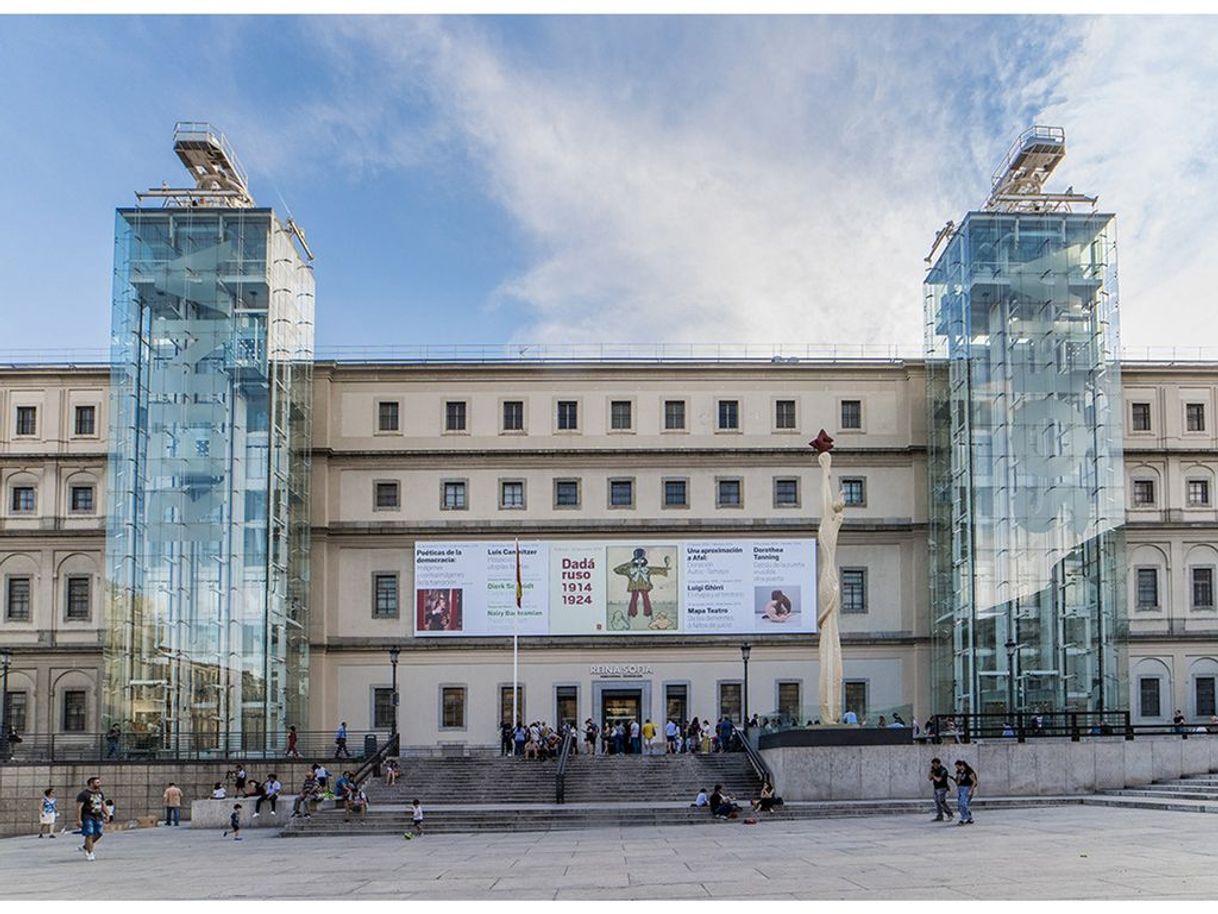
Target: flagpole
<point x="516" y="644"/>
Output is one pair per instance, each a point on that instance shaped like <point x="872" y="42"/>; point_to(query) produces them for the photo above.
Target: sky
<point x="608" y="179"/>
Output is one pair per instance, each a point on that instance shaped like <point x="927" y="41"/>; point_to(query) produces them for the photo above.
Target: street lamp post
<point x="393" y="661"/>
<point x="1011" y="647"/>
<point x="6" y="660"/>
<point x="745" y="650"/>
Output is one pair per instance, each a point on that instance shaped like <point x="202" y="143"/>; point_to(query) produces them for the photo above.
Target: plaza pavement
<point x="1061" y="852"/>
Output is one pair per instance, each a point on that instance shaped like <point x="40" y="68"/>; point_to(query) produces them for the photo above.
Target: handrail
<point x="560" y="774"/>
<point x="755" y="758"/>
<point x="372" y="764"/>
<point x="1023" y="725"/>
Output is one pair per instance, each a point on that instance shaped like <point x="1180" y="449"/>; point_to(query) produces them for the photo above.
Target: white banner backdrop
<point x="645" y="587"/>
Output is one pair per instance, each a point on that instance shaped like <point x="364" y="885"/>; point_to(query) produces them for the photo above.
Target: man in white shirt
<point x="850" y="718"/>
<point x="670" y="734"/>
<point x="636" y="739"/>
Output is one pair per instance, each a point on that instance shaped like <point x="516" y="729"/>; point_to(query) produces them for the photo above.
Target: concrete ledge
<point x="215" y="813"/>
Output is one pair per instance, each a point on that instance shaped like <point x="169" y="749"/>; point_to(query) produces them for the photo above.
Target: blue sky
<point x="483" y="180"/>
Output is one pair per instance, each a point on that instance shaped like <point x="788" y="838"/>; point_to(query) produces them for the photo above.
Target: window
<point x="387" y="416"/>
<point x="854" y="492"/>
<point x="79" y="604"/>
<point x="1203" y="691"/>
<point x="730" y="701"/>
<point x="505" y="703"/>
<point x="382" y="709"/>
<point x="17" y="600"/>
<point x="566" y="493"/>
<point x="566" y="700"/>
<point x="86" y="420"/>
<point x="728" y="493"/>
<point x="1147" y="596"/>
<point x="1194" y="417"/>
<point x="1203" y="588"/>
<point x="621" y="493"/>
<point x="82" y="499"/>
<point x="568" y="415"/>
<point x="1198" y="493"/>
<point x="454" y="416"/>
<point x="852" y="414"/>
<point x="786" y="493"/>
<point x="16" y="708"/>
<point x="513" y="415"/>
<point x="729" y="415"/>
<point x="1148" y="696"/>
<point x="674" y="415"/>
<point x="676" y="702"/>
<point x="454" y="495"/>
<point x="387" y="496"/>
<point x="784" y="414"/>
<point x="788" y="701"/>
<point x="676" y="493"/>
<point x="1143" y="492"/>
<point x="511" y="494"/>
<point x="854" y="590"/>
<point x="619" y="416"/>
<point x="27" y="420"/>
<point x="1141" y="417"/>
<point x="23" y="499"/>
<point x="384" y="595"/>
<point x="452" y="708"/>
<point x="75" y="716"/>
<point x="855" y="697"/>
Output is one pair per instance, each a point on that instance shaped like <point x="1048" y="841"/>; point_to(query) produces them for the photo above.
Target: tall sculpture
<point x="828" y="591"/>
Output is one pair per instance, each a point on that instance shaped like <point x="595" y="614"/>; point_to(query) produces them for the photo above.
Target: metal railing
<point x="371" y="766"/>
<point x="754" y="756"/>
<point x="139" y="747"/>
<point x="1024" y="725"/>
<point x="560" y="773"/>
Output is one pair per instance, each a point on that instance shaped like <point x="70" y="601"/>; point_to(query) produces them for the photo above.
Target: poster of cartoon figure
<point x="643" y="589"/>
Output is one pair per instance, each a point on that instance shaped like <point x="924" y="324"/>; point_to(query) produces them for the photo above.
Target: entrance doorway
<point x="622" y="706"/>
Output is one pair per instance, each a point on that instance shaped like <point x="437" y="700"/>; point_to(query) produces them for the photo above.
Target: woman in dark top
<point x="765" y="802"/>
<point x="966" y="784"/>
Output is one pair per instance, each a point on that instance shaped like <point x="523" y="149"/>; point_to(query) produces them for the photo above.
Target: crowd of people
<point x="618" y="737"/>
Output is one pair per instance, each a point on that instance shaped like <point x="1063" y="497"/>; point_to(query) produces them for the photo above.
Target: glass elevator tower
<point x="1025" y="452"/>
<point x="206" y="641"/>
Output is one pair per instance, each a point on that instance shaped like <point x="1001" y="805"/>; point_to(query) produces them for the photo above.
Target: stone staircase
<point x="658" y="778"/>
<point x="1196" y="793"/>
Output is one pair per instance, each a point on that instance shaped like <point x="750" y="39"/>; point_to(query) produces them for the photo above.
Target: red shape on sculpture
<point x="822" y="443"/>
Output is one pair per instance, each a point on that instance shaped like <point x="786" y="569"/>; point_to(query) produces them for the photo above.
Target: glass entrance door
<point x="622" y="706"/>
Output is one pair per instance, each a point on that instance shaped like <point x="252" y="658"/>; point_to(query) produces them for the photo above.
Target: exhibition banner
<point x="646" y="587"/>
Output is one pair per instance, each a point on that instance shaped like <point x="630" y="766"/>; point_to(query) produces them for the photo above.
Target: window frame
<point x="449" y="415"/>
<point x="79" y="487"/>
<point x="82" y="711"/>
<point x="719" y="502"/>
<point x="376" y="493"/>
<point x="77" y="411"/>
<point x="1158" y="681"/>
<point x="799" y="696"/>
<point x="1204" y="484"/>
<point x="866" y="686"/>
<point x="720" y="428"/>
<point x="866" y="601"/>
<point x="621" y="480"/>
<point x="503" y="482"/>
<point x="464" y="496"/>
<point x="377" y="707"/>
<point x="778" y="480"/>
<point x="683" y="428"/>
<point x="1137" y="589"/>
<point x="862" y="484"/>
<point x="1133" y="417"/>
<point x="505" y="703"/>
<point x="1192" y="588"/>
<point x="579" y="493"/>
<point x="12" y="500"/>
<point x="1136" y="502"/>
<point x="524" y="416"/>
<point x="461" y="688"/>
<point x="21" y="411"/>
<point x="684" y="503"/>
<point x="610" y="418"/>
<point x="68" y="597"/>
<point x="9" y="581"/>
<point x="720" y="686"/>
<point x="17" y="715"/>
<point x="841" y="415"/>
<point x="778" y="427"/>
<point x="1212" y="708"/>
<point x="395" y="576"/>
<point x="1191" y="409"/>
<point x="380" y="417"/>
<point x="575" y="403"/>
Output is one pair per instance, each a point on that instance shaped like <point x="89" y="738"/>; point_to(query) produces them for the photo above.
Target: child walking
<point x="416" y="817"/>
<point x="234" y="823"/>
<point x="47" y="813"/>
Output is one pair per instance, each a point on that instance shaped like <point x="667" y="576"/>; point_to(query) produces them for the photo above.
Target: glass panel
<point x="1148" y="588"/>
<point x="453" y="707"/>
<point x="1149" y="697"/>
<point x="788" y="701"/>
<point x="621" y="492"/>
<point x="568" y="414"/>
<point x="385" y="599"/>
<point x="16" y="706"/>
<point x="1205" y="696"/>
<point x="730" y="701"/>
<point x="674" y="493"/>
<point x="729" y="414"/>
<point x="387" y="416"/>
<point x="619" y="415"/>
<point x="676" y="703"/>
<point x="566" y="493"/>
<point x="505" y="703"/>
<point x="454" y="419"/>
<point x="567" y="704"/>
<point x="513" y="495"/>
<point x="79" y="602"/>
<point x="853" y="492"/>
<point x="17" y="603"/>
<point x="854" y="590"/>
<point x="1203" y="588"/>
<point x="454" y="495"/>
<point x="74" y="712"/>
<point x="786" y="492"/>
<point x="674" y="414"/>
<point x="513" y="415"/>
<point x="86" y="420"/>
<point x="208" y="537"/>
<point x="1025" y="457"/>
<point x="852" y="414"/>
<point x="382" y="709"/>
<point x="1141" y="417"/>
<point x="729" y="492"/>
<point x="856" y="699"/>
<point x="784" y="414"/>
<point x="27" y="420"/>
